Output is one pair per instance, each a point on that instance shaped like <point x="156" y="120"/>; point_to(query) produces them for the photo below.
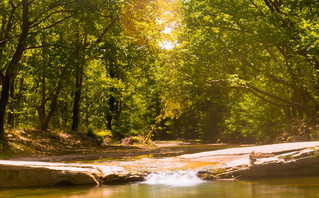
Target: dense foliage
<point x="240" y="70"/>
<point x="257" y="63"/>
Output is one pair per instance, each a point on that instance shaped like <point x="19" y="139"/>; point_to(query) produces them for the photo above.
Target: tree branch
<point x="252" y="2"/>
<point x="104" y="32"/>
<point x="275" y="6"/>
<point x="35" y="33"/>
<point x="52" y="45"/>
<point x="9" y="24"/>
<point x="228" y="28"/>
<point x="57" y="22"/>
<point x="274" y="78"/>
<point x="257" y="92"/>
<point x="255" y="89"/>
<point x="269" y="5"/>
<point x="269" y="101"/>
<point x="2" y="77"/>
<point x="22" y="40"/>
<point x="50" y="8"/>
<point x="41" y="21"/>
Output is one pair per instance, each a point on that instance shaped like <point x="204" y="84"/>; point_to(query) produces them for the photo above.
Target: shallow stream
<point x="171" y="185"/>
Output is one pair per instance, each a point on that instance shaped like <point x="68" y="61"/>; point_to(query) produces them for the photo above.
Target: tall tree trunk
<point x="3" y="104"/>
<point x="10" y="120"/>
<point x="77" y="99"/>
<point x="52" y="108"/>
<point x="79" y="52"/>
<point x="41" y="108"/>
<point x="113" y="112"/>
<point x="17" y="105"/>
<point x="43" y="116"/>
<point x="12" y="69"/>
<point x="109" y="117"/>
<point x="42" y="113"/>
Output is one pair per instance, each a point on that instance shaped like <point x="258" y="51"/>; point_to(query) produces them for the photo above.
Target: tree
<point x="104" y="14"/>
<point x="255" y="48"/>
<point x="34" y="16"/>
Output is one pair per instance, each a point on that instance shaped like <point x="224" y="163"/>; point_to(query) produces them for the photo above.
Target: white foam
<point x="173" y="178"/>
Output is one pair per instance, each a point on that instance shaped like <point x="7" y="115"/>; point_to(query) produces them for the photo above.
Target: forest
<point x="216" y="70"/>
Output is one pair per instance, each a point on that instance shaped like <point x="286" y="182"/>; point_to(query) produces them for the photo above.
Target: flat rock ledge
<point x="260" y="162"/>
<point x="267" y="161"/>
<point x="32" y="174"/>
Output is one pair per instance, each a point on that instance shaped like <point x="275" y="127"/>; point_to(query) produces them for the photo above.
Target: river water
<point x="184" y="184"/>
<point x="171" y="185"/>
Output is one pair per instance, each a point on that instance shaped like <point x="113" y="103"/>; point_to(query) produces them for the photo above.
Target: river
<point x="185" y="184"/>
<point x="180" y="186"/>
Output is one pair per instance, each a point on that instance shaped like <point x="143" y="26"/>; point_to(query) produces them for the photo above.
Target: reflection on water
<point x="283" y="188"/>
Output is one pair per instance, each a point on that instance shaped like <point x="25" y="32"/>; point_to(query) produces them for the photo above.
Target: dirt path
<point x="117" y="152"/>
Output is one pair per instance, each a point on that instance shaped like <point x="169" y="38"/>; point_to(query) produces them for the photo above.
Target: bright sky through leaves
<point x="168" y="44"/>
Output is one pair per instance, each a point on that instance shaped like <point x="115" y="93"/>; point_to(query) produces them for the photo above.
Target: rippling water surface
<point x="180" y="185"/>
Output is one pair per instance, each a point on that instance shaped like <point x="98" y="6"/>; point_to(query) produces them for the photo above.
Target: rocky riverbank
<point x="267" y="161"/>
<point x="31" y="174"/>
<point x="277" y="160"/>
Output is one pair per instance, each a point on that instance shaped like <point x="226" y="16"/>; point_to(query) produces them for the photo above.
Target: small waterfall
<point x="173" y="178"/>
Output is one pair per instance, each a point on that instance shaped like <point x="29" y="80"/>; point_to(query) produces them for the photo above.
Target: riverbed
<point x="173" y="176"/>
<point x="272" y="188"/>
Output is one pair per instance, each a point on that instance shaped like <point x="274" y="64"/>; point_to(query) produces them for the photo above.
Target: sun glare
<point x="167" y="45"/>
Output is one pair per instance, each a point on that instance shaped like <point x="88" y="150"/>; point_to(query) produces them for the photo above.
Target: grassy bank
<point x="33" y="144"/>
